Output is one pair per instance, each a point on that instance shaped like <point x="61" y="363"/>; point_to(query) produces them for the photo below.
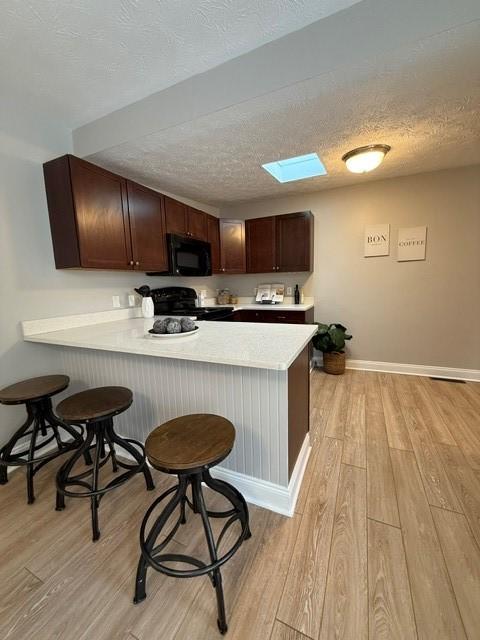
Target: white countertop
<point x="244" y="344"/>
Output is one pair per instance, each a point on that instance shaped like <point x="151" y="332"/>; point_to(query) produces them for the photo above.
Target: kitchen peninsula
<point x="254" y="374"/>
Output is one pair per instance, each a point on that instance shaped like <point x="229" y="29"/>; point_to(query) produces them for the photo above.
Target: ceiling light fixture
<point x="364" y="159"/>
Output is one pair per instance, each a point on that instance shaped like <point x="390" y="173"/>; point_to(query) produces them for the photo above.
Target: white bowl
<point x="184" y="334"/>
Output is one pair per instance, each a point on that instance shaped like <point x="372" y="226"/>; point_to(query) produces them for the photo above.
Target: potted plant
<point x="330" y="339"/>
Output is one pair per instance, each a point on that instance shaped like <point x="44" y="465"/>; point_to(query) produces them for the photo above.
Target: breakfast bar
<point x="254" y="374"/>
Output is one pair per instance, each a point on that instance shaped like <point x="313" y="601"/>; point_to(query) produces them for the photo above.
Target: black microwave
<point x="188" y="257"/>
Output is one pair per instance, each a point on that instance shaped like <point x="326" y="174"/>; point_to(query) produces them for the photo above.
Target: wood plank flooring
<point x="384" y="543"/>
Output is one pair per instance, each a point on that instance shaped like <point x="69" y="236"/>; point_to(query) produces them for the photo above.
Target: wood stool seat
<point x="190" y="442"/>
<point x="189" y="446"/>
<point x="95" y="404"/>
<point x="33" y="389"/>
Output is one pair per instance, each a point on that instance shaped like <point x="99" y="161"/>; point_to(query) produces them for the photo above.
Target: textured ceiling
<point x="82" y="59"/>
<point x="424" y="101"/>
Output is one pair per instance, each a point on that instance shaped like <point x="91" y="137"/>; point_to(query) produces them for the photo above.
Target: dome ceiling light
<point x="364" y="159"/>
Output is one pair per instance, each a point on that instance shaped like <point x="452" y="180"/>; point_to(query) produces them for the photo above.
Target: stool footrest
<point x="102" y="432"/>
<point x="40" y="421"/>
<point x="151" y="554"/>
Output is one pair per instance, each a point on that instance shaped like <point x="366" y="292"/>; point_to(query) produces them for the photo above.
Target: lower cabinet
<point x="286" y="317"/>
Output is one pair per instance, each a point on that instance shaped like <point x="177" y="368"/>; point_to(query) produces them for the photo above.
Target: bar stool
<point x="188" y="447"/>
<point x="35" y="394"/>
<point x="96" y="408"/>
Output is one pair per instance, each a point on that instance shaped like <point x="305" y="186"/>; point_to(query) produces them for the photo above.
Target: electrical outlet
<point x="131" y="300"/>
<point x="289" y="291"/>
<point x="116" y="302"/>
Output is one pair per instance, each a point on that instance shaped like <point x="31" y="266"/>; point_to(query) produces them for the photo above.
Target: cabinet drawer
<point x="247" y="315"/>
<point x="288" y="317"/>
<point x="291" y="317"/>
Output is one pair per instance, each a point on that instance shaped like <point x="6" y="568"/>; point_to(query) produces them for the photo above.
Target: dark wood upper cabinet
<point x="175" y="216"/>
<point x="232" y="246"/>
<point x="100" y="220"/>
<point x="280" y="243"/>
<point x="88" y="211"/>
<point x="294" y="241"/>
<point x="260" y="245"/>
<point x="196" y="224"/>
<point x="213" y="237"/>
<point x="147" y="227"/>
<point x="184" y="220"/>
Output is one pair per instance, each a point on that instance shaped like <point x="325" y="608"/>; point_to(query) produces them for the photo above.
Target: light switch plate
<point x="116" y="302"/>
<point x="289" y="291"/>
<point x="131" y="300"/>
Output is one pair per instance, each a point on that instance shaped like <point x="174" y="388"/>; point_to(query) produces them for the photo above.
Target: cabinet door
<point x="147" y="227"/>
<point x="196" y="224"/>
<point x="101" y="210"/>
<point x="260" y="245"/>
<point x="213" y="237"/>
<point x="175" y="216"/>
<point x="294" y="233"/>
<point x="232" y="246"/>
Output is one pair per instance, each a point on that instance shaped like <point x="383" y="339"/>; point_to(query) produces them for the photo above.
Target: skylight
<point x="299" y="168"/>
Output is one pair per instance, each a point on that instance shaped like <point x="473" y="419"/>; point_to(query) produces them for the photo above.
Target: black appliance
<point x="187" y="257"/>
<point x="182" y="301"/>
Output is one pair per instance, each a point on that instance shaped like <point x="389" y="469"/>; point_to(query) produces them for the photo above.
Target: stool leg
<point x="183" y="516"/>
<point x="233" y="495"/>
<point x="113" y="455"/>
<point x="77" y="437"/>
<point x="6" y="450"/>
<point x="66" y="468"/>
<point x="140" y="592"/>
<point x="38" y="425"/>
<point x="139" y="457"/>
<point x="216" y="575"/>
<point x="87" y="457"/>
<point x="99" y="455"/>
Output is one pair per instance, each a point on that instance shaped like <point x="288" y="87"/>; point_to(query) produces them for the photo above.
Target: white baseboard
<point x="261" y="492"/>
<point x="449" y="373"/>
<point x="267" y="494"/>
<point x="256" y="491"/>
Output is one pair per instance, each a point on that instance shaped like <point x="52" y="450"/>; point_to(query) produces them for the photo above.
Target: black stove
<point x="182" y="301"/>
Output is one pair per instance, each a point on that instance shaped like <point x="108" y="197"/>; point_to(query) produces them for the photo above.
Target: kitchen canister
<point x="147" y="307"/>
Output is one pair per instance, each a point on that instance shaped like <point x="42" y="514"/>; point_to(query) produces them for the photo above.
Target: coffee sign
<point x="412" y="243"/>
<point x="377" y="240"/>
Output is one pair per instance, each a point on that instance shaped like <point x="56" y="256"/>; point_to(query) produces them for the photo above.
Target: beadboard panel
<point x="255" y="400"/>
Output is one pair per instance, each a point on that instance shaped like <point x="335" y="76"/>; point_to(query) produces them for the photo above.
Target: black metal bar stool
<point x="42" y="425"/>
<point x="188" y="447"/>
<point x="96" y="408"/>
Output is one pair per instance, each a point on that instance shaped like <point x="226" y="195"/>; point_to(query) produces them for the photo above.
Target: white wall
<point x="30" y="286"/>
<point x="425" y="313"/>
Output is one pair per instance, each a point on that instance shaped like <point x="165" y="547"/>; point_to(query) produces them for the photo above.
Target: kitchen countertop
<point x="249" y="344"/>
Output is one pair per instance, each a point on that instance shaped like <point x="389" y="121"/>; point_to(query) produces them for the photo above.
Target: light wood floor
<point x="384" y="543"/>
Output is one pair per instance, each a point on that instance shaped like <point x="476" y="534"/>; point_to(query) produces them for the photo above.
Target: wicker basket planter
<point x="334" y="363"/>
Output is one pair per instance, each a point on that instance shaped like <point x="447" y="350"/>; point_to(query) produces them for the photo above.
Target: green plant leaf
<point x="330" y="338"/>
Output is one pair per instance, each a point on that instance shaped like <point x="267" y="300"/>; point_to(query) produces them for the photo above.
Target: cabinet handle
<point x="131" y="263"/>
<point x="137" y="264"/>
<point x="281" y="318"/>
